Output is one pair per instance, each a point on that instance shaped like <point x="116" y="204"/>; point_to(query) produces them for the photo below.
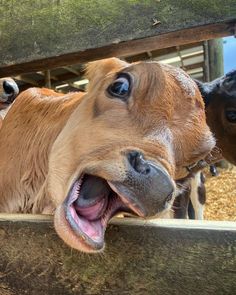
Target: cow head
<point x="220" y="100"/>
<point x="136" y="130"/>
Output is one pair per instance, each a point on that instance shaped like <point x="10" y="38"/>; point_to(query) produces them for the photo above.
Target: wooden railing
<point x="141" y="257"/>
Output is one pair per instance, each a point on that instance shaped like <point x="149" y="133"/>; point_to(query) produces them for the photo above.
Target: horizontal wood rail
<point x="141" y="257"/>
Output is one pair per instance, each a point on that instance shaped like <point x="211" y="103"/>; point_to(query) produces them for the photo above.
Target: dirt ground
<point x="221" y="195"/>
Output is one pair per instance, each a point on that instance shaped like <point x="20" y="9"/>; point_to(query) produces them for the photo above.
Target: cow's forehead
<point x="183" y="79"/>
<point x="186" y="83"/>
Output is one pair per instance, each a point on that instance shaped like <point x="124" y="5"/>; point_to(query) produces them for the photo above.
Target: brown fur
<point x="48" y="139"/>
<point x="35" y="120"/>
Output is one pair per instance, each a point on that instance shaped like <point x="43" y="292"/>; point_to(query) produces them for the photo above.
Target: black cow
<point x="220" y="102"/>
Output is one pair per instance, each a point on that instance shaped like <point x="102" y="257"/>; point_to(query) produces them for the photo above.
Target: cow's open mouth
<point x="91" y="203"/>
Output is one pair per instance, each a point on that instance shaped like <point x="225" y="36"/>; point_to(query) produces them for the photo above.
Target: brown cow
<point x="117" y="148"/>
<point x="8" y="92"/>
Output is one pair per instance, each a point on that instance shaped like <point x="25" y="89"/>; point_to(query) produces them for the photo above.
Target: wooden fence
<point x="141" y="257"/>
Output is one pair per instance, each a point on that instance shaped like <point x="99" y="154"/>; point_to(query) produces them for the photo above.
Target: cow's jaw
<point x="89" y="205"/>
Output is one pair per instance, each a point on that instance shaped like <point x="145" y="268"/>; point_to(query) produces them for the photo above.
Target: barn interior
<point x="203" y="61"/>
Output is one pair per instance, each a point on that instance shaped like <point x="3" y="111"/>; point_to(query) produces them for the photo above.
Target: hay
<point x="221" y="195"/>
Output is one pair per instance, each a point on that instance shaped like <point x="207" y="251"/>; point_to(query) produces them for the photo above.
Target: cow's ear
<point x="97" y="70"/>
<point x="205" y="90"/>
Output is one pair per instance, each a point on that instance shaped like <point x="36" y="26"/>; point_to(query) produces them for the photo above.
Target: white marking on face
<point x="164" y="136"/>
<point x="207" y="144"/>
<point x="161" y="134"/>
<point x="198" y="207"/>
<point x="186" y="83"/>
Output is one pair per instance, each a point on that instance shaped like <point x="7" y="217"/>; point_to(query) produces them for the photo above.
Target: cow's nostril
<point x="138" y="163"/>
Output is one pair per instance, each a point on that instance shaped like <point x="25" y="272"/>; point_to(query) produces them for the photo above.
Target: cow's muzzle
<point x="92" y="201"/>
<point x="147" y="185"/>
<point x="10" y="91"/>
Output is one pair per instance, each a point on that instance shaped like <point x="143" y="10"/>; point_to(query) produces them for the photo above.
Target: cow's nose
<point x="150" y="182"/>
<point x="11" y="90"/>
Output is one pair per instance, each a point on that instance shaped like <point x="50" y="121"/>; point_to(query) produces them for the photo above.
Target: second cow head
<point x="220" y="100"/>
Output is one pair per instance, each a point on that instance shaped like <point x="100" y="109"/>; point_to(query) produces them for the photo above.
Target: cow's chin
<point x="82" y="219"/>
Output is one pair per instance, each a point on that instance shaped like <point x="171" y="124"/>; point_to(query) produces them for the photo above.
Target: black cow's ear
<point x="205" y="90"/>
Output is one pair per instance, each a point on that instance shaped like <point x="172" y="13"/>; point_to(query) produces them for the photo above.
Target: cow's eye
<point x="120" y="88"/>
<point x="231" y="115"/>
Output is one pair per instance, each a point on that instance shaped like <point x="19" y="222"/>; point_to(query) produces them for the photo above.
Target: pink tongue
<point x="92" y="229"/>
<point x="93" y="212"/>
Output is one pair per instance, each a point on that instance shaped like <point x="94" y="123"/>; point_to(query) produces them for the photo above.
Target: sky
<point x="229" y="44"/>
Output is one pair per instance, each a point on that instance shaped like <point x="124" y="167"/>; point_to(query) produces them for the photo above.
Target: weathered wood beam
<point x="41" y="74"/>
<point x="160" y="52"/>
<point x="206" y="62"/>
<point x="194" y="66"/>
<point x="27" y="80"/>
<point x="180" y="56"/>
<point x="74" y="71"/>
<point x="48" y="34"/>
<point x="47" y="79"/>
<point x="193" y="54"/>
<point x="141" y="257"/>
<point x="216" y="58"/>
<point x="65" y="78"/>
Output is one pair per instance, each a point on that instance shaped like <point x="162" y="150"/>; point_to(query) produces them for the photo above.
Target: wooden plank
<point x="216" y="58"/>
<point x="141" y="257"/>
<point x="160" y="52"/>
<point x="47" y="34"/>
<point x="194" y="66"/>
<point x="47" y="79"/>
<point x="206" y="62"/>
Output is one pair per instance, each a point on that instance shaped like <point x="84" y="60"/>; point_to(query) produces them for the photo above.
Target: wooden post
<point x="216" y="59"/>
<point x="216" y="70"/>
<point x="47" y="79"/>
<point x="206" y="62"/>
